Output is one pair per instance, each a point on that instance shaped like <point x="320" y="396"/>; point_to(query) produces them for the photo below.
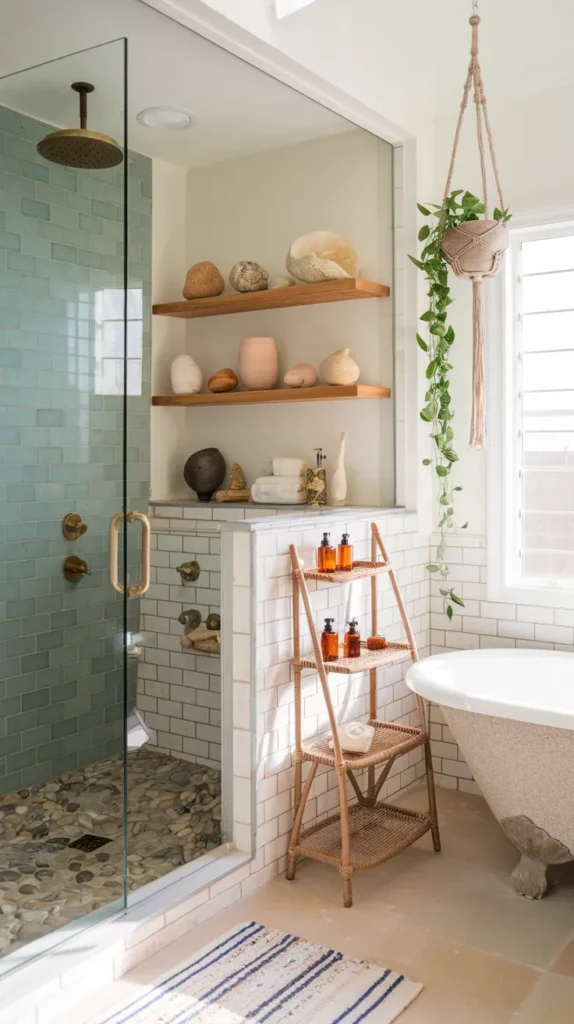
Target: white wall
<point x="252" y="208"/>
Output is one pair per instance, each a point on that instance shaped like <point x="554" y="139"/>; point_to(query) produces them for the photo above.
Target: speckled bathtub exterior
<point x="521" y="768"/>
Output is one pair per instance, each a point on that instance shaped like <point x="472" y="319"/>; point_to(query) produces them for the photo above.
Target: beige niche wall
<point x="253" y="207"/>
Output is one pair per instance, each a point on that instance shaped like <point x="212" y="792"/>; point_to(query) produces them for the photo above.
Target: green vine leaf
<point x="422" y="343"/>
<point x="432" y="568"/>
<point x="422" y="209"/>
<point x="449" y="610"/>
<point x="424" y="232"/>
<point x="430" y="314"/>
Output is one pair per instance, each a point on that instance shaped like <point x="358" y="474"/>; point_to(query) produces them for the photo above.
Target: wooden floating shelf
<point x="329" y="393"/>
<point x="274" y="298"/>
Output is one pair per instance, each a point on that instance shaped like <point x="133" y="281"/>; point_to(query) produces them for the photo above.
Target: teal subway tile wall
<point x="61" y="447"/>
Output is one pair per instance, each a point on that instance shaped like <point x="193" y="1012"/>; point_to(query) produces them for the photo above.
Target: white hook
<point x="475" y="6"/>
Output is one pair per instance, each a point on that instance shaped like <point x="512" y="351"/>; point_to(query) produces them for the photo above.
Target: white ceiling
<point x="240" y="109"/>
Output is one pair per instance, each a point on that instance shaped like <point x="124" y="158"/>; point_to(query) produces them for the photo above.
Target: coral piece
<point x="186" y="376"/>
<point x="222" y="380"/>
<point x="203" y="279"/>
<point x="281" y="281"/>
<point x="247" y="276"/>
<point x="237" y="490"/>
<point x="300" y="376"/>
<point x="204" y="472"/>
<point x="339" y="368"/>
<point x="322" y="256"/>
<point x="258" y="363"/>
<point x="316" y="487"/>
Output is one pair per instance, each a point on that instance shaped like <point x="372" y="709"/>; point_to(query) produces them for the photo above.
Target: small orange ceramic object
<point x="376" y="643"/>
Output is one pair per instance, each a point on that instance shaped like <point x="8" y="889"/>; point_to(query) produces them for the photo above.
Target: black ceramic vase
<point x="204" y="472"/>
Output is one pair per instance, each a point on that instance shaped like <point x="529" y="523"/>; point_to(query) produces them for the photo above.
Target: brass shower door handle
<point x="134" y="589"/>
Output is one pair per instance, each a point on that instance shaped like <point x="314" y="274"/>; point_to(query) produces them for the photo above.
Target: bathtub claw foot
<point x="529" y="878"/>
<point x="538" y="849"/>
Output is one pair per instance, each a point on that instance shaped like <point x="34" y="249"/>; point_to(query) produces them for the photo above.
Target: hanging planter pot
<point x="476" y="248"/>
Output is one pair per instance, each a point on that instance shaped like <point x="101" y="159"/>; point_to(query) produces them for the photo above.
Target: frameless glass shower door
<point x="74" y="458"/>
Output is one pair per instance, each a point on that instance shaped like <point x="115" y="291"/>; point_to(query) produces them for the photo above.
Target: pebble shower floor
<point x="174" y="816"/>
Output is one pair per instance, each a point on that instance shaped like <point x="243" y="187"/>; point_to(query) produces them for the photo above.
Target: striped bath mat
<point x="256" y="974"/>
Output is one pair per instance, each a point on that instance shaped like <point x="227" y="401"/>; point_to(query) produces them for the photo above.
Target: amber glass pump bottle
<point x="326" y="555"/>
<point x="329" y="642"/>
<point x="352" y="643"/>
<point x="345" y="554"/>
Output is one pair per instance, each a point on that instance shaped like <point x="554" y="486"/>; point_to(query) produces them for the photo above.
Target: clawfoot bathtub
<point x="512" y="714"/>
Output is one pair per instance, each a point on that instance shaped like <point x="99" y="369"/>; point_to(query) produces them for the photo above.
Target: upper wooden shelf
<point x="274" y="298"/>
<point x="324" y="393"/>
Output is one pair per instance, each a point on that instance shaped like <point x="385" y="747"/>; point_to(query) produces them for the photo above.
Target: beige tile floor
<point x="452" y="921"/>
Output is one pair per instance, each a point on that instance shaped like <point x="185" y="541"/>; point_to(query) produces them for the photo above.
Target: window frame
<point x="504" y="419"/>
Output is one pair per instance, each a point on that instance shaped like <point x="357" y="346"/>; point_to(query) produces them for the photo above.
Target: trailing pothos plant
<point x="457" y="208"/>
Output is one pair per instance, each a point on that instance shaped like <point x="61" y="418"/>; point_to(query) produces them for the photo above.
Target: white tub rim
<point x="535" y="686"/>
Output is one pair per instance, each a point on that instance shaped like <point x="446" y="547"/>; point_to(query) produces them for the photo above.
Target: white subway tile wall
<point x="482" y="623"/>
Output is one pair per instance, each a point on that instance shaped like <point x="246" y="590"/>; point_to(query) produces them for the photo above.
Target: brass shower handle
<point x="134" y="589"/>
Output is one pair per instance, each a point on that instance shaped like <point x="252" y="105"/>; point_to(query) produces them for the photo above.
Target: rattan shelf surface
<point x="389" y="740"/>
<point x="390" y="654"/>
<point x="376" y="834"/>
<point x="360" y="571"/>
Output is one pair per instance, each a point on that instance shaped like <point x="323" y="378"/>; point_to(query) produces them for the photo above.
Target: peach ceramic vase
<point x="258" y="363"/>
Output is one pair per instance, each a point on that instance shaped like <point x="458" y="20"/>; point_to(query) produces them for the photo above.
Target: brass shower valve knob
<point x="75" y="569"/>
<point x="189" y="571"/>
<point x="73" y="526"/>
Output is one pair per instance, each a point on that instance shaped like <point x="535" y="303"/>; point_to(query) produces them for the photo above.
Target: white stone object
<point x="186" y="376"/>
<point x="279" y="490"/>
<point x="280" y="281"/>
<point x="322" y="256"/>
<point x="285" y="466"/>
<point x="301" y="376"/>
<point x="338" y="489"/>
<point x="356" y="737"/>
<point x="339" y="368"/>
<point x="247" y="276"/>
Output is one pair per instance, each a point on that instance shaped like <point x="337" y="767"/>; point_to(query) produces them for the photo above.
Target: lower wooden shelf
<point x="328" y="393"/>
<point x="376" y="834"/>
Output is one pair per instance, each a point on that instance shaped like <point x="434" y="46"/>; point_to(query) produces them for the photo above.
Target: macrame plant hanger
<point x="475" y="249"/>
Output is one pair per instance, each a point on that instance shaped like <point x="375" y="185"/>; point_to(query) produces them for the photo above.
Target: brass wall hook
<point x="73" y="526"/>
<point x="75" y="569"/>
<point x="189" y="571"/>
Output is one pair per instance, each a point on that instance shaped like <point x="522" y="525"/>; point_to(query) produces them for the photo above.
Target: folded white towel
<point x="286" y="495"/>
<point x="281" y="481"/>
<point x="288" y="467"/>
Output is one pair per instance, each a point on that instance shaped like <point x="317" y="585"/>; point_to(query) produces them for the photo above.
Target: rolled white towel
<point x="286" y="495"/>
<point x="281" y="481"/>
<point x="288" y="467"/>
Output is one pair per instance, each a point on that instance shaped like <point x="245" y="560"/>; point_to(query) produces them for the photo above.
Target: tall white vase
<point x="339" y="480"/>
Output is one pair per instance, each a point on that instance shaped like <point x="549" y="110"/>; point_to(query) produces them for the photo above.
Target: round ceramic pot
<point x="204" y="472"/>
<point x="258" y="363"/>
<point x="476" y="248"/>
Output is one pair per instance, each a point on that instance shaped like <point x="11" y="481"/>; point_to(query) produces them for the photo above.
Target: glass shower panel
<point x="65" y="319"/>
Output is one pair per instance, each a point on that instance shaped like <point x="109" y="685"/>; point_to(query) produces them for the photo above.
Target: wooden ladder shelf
<point x="370" y="831"/>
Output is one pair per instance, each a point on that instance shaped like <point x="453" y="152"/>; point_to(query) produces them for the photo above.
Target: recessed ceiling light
<point x="171" y="119"/>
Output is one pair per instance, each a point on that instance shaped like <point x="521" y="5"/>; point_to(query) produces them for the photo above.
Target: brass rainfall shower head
<point x="78" y="147"/>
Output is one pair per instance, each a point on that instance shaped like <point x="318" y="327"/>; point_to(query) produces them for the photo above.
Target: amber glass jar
<point x="329" y="642"/>
<point x="352" y="643"/>
<point x="345" y="554"/>
<point x="326" y="555"/>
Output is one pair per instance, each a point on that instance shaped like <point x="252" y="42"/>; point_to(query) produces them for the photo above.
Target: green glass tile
<point x="49" y="418"/>
<point x="67" y="727"/>
<point x="19" y="723"/>
<point x="53" y="713"/>
<point x="65" y="218"/>
<point x="20" y="684"/>
<point x="61" y="765"/>
<point x="48" y="194"/>
<point x="90" y="259"/>
<point x="33" y="208"/>
<point x="65" y="691"/>
<point x="35" y="662"/>
<point x="33" y="776"/>
<point x="25" y="759"/>
<point x="9" y="318"/>
<point x="35" y="588"/>
<point x="36" y="247"/>
<point x="36" y="171"/>
<point x="59" y="620"/>
<point x="64" y="252"/>
<point x="91" y="720"/>
<point x="21" y="186"/>
<point x="35" y="699"/>
<point x="17" y="609"/>
<point x="10" y="745"/>
<point x="34" y="474"/>
<point x="63" y="179"/>
<point x="34" y="737"/>
<point x="9" y="357"/>
<point x="46" y="751"/>
<point x="78" y="202"/>
<point x="36" y="285"/>
<point x="21" y="492"/>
